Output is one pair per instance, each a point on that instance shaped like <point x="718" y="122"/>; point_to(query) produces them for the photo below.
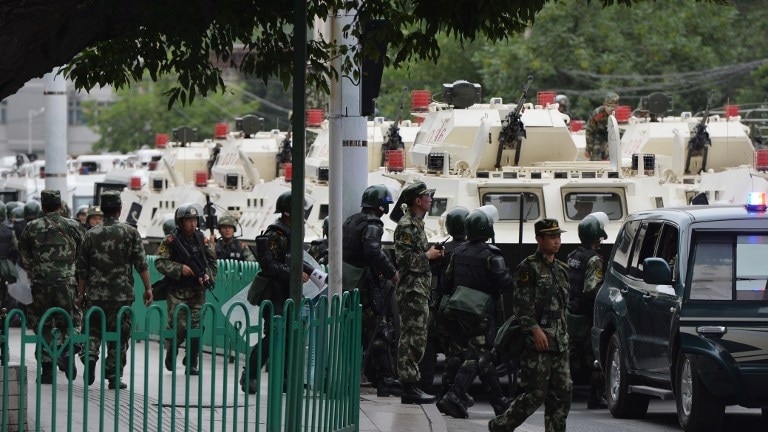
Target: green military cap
<point x="50" y="198"/>
<point x="407" y="195"/>
<point x="415" y="190"/>
<point x="611" y="98"/>
<point x="95" y="211"/>
<point x="111" y="199"/>
<point x="547" y="227"/>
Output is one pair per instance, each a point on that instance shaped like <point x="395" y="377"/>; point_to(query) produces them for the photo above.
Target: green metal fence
<point x="312" y="382"/>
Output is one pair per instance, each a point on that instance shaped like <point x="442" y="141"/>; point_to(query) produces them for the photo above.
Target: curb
<point x="435" y="417"/>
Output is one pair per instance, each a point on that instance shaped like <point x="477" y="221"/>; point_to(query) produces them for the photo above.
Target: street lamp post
<point x="30" y="115"/>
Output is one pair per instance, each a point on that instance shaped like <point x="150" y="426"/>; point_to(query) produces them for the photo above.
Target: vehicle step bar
<point x="652" y="391"/>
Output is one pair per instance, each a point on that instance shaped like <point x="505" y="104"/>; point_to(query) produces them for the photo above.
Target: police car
<point x="683" y="312"/>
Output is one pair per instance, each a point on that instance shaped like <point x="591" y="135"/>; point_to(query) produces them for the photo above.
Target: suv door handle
<point x="714" y="330"/>
<point x="647" y="296"/>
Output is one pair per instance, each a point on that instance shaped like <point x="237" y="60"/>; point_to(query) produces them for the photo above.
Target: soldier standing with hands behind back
<point x="413" y="288"/>
<point x="110" y="252"/>
<point x="541" y="297"/>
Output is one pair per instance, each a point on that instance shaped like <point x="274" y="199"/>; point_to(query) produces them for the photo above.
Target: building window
<point x="3" y="112"/>
<point x="74" y="112"/>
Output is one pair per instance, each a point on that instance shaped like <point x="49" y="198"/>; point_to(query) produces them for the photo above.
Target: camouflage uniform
<point x="49" y="246"/>
<point x="185" y="290"/>
<point x="544" y="376"/>
<point x="413" y="292"/>
<point x="109" y="253"/>
<point x="233" y="249"/>
<point x="597" y="128"/>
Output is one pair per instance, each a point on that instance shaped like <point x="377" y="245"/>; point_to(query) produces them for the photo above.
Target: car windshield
<point x="730" y="267"/>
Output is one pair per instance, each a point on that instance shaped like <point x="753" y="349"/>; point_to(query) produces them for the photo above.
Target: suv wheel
<point x="621" y="403"/>
<point x="697" y="408"/>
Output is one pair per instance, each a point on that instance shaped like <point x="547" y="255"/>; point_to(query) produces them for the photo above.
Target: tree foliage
<point x="684" y="49"/>
<point x="118" y="43"/>
<point x="140" y="113"/>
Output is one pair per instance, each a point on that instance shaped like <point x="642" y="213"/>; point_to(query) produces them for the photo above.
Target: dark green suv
<point x="683" y="313"/>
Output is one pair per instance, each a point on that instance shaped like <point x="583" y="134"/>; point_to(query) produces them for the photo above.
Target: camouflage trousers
<point x="414" y="317"/>
<point x="598" y="151"/>
<point x="45" y="297"/>
<point x="95" y="335"/>
<point x="544" y="378"/>
<point x="194" y="298"/>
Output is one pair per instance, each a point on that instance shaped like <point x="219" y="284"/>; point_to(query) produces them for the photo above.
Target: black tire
<point x="697" y="408"/>
<point x="621" y="403"/>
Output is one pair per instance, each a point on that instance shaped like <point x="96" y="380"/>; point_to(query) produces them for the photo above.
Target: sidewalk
<point x="216" y="406"/>
<point x="388" y="414"/>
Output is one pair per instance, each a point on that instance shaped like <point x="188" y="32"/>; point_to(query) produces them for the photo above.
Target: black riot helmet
<point x="283" y="204"/>
<point x="592" y="228"/>
<point x="378" y="197"/>
<point x="454" y="222"/>
<point x="188" y="210"/>
<point x="479" y="222"/>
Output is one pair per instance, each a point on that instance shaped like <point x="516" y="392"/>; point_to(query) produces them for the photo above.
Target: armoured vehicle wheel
<point x="697" y="409"/>
<point x="621" y="403"/>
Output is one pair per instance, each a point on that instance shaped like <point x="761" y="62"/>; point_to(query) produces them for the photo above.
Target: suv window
<point x="729" y="266"/>
<point x="623" y="246"/>
<point x="655" y="239"/>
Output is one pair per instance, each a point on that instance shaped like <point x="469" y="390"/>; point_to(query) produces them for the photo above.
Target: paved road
<point x="661" y="417"/>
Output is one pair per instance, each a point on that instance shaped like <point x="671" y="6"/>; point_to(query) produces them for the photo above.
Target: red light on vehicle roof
<point x="756" y="201"/>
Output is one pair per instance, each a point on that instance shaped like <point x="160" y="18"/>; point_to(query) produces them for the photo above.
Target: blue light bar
<point x="756" y="201"/>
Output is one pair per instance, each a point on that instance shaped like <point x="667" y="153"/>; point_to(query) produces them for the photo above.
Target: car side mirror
<point x="656" y="271"/>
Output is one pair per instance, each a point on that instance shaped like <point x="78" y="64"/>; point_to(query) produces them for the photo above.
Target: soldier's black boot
<point x="388" y="387"/>
<point x="412" y="394"/>
<point x="596" y="390"/>
<point x="63" y="364"/>
<point x="451" y="403"/>
<point x="386" y="384"/>
<point x="46" y="373"/>
<point x="116" y="383"/>
<point x="490" y="379"/>
<point x="194" y="355"/>
<point x="252" y="386"/>
<point x="169" y="363"/>
<point x="89" y="374"/>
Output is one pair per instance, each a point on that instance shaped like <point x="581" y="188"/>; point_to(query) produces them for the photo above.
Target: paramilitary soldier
<point x="597" y="128"/>
<point x="9" y="250"/>
<point x="413" y="254"/>
<point x="585" y="275"/>
<point x="476" y="272"/>
<point x="272" y="283"/>
<point x="49" y="246"/>
<point x="227" y="246"/>
<point x="436" y="339"/>
<point x="540" y="299"/>
<point x="367" y="267"/>
<point x="110" y="252"/>
<point x="177" y="255"/>
<point x="318" y="248"/>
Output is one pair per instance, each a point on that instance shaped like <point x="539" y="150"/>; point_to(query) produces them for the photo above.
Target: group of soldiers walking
<point x="421" y="300"/>
<point x="448" y="298"/>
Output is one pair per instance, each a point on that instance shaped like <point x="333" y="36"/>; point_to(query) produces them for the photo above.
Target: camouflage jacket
<point x="597" y="127"/>
<point x="109" y="253"/>
<point x="411" y="245"/>
<point x="169" y="263"/>
<point x="532" y="279"/>
<point x="49" y="246"/>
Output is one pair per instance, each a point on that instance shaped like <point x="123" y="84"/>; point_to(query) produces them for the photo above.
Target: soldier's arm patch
<point x="524" y="277"/>
<point x="599" y="274"/>
<point x="161" y="249"/>
<point x="405" y="239"/>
